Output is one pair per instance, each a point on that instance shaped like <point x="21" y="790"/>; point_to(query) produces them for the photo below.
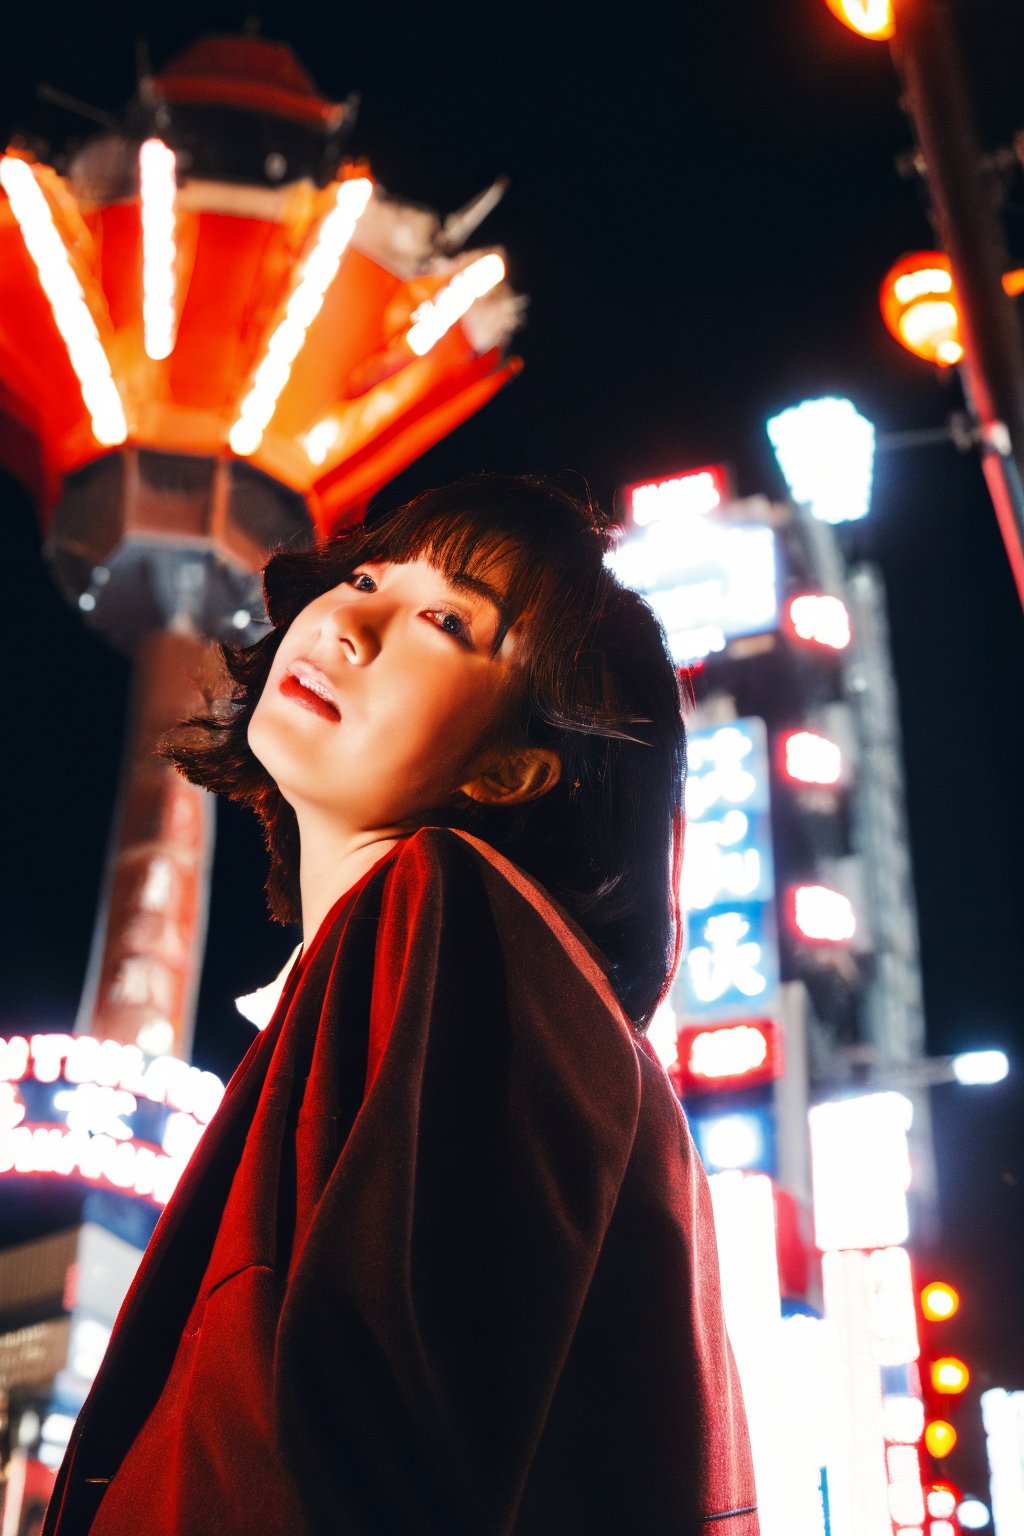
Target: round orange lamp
<point x="940" y="1437"/>
<point x="939" y="1301"/>
<point x="919" y="307"/>
<point x="868" y="18"/>
<point x="950" y="1375"/>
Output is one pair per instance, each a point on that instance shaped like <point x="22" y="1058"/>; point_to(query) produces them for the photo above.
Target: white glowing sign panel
<point x="732" y="961"/>
<point x="861" y="1170"/>
<point x="709" y="581"/>
<point x="859" y="1479"/>
<point x="99" y="1111"/>
<point x="1002" y="1414"/>
<point x="692" y="493"/>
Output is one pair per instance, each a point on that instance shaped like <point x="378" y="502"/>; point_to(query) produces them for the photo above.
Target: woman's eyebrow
<point x="463" y="583"/>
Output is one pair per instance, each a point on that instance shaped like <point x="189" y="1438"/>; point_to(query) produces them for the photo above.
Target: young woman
<point x="444" y="1262"/>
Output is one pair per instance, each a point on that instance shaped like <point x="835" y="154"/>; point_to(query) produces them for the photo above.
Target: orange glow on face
<point x="919" y="307"/>
<point x="940" y="1437"/>
<point x="939" y="1301"/>
<point x="868" y="18"/>
<point x="950" y="1375"/>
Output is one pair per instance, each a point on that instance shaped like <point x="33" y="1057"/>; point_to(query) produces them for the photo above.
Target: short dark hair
<point x="597" y="686"/>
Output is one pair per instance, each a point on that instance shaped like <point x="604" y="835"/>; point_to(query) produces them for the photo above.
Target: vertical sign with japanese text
<point x="731" y="964"/>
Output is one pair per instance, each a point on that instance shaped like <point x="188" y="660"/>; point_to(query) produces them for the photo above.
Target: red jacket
<point x="443" y="1263"/>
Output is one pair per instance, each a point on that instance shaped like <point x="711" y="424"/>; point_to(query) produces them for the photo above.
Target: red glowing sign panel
<point x="810" y="758"/>
<point x="733" y="1054"/>
<point x="816" y="618"/>
<point x="692" y="493"/>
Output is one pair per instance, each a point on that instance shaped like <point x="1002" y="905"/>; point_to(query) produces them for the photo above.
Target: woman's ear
<point x="521" y="775"/>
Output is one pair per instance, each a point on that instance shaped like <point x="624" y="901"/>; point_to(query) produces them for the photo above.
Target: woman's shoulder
<point x="441" y="871"/>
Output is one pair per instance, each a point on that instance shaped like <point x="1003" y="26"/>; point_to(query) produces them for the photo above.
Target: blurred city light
<point x="823" y="915"/>
<point x="731" y="1141"/>
<point x="71" y="311"/>
<point x="436" y="317"/>
<point x="315" y="275"/>
<point x="902" y="1418"/>
<point x="157" y="192"/>
<point x="731" y="1051"/>
<point x="973" y="1068"/>
<point x="973" y="1514"/>
<point x="709" y="581"/>
<point x="1002" y="1414"/>
<point x="812" y="759"/>
<point x="826" y="451"/>
<point x="941" y="1501"/>
<point x="868" y="18"/>
<point x="919" y="308"/>
<point x="950" y="1375"/>
<point x="940" y="1437"/>
<point x="939" y="1301"/>
<point x="861" y="1171"/>
<point x="692" y="494"/>
<point x="663" y="1034"/>
<point x="822" y="619"/>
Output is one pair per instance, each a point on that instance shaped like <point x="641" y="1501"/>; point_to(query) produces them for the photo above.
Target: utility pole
<point x="964" y="213"/>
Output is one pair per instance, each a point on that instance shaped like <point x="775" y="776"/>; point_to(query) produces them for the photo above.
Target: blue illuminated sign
<point x="731" y="967"/>
<point x="744" y="1140"/>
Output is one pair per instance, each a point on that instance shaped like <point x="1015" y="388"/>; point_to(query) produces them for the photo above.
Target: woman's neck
<point x="332" y="860"/>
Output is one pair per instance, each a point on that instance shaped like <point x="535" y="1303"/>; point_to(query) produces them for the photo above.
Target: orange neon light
<point x="919" y="307"/>
<point x="940" y="1437"/>
<point x="201" y="316"/>
<point x="950" y="1375"/>
<point x="939" y="1301"/>
<point x="868" y="18"/>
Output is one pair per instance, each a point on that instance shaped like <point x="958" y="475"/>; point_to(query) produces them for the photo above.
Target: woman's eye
<point x="452" y="623"/>
<point x="362" y="582"/>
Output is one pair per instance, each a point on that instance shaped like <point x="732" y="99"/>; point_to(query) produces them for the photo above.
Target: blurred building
<point x="797" y="1011"/>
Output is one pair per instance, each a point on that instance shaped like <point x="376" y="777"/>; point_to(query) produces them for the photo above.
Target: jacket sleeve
<point x="442" y="1277"/>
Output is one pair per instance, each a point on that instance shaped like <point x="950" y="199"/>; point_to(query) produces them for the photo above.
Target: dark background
<point x="703" y="202"/>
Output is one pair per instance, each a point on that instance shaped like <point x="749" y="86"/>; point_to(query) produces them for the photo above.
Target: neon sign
<point x="76" y="1107"/>
<point x="729" y="1055"/>
<point x="861" y="1170"/>
<point x="732" y="963"/>
<point x="691" y="494"/>
<point x="709" y="579"/>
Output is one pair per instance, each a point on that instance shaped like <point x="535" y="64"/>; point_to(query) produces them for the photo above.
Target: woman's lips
<point x="308" y="686"/>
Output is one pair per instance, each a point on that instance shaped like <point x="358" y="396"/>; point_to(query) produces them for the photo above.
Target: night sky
<point x="703" y="202"/>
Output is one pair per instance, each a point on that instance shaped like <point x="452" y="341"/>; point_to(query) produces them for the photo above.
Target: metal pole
<point x="150" y="930"/>
<point x="969" y="230"/>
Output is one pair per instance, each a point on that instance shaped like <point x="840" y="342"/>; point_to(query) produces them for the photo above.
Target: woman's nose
<point x="358" y="629"/>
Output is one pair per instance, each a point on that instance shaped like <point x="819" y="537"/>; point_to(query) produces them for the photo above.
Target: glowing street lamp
<point x="826" y="451"/>
<point x="980" y="1068"/>
<point x="919" y="308"/>
<point x="868" y="18"/>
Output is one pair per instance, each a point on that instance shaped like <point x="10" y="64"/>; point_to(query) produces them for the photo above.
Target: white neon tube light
<point x="436" y="317"/>
<point x="157" y="190"/>
<point x="307" y="297"/>
<point x="71" y="313"/>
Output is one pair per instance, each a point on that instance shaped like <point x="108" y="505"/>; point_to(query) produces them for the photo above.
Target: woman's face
<point x="382" y="695"/>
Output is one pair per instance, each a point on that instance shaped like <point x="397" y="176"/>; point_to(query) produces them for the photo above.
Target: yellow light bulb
<point x="939" y="1437"/>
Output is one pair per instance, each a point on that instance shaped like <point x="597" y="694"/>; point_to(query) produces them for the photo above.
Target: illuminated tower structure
<point x="219" y="336"/>
<point x="801" y="979"/>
